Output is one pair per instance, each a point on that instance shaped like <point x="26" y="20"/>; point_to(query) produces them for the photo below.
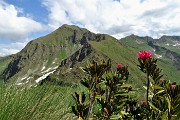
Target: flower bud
<point x="144" y="103"/>
<point x="173" y="87"/>
<point x="119" y="67"/>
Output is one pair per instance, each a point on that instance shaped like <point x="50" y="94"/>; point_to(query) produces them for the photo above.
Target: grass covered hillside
<point x="36" y="103"/>
<point x="168" y="60"/>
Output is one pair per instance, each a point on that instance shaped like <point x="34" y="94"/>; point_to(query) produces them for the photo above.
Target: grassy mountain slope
<point x="36" y="103"/>
<point x="168" y="60"/>
<point x="70" y="47"/>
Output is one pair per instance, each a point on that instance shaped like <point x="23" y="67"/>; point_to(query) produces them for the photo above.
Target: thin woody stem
<point x="147" y="96"/>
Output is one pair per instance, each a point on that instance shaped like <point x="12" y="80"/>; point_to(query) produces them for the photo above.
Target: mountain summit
<point x="61" y="54"/>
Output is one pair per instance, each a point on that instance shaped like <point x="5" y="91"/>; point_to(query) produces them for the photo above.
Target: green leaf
<point x="122" y="94"/>
<point x="98" y="96"/>
<point x="157" y="87"/>
<point x="83" y="69"/>
<point x="161" y="91"/>
<point x="123" y="100"/>
<point x="115" y="117"/>
<point x="165" y="115"/>
<point x="145" y="87"/>
<point x="169" y="103"/>
<point x="151" y="105"/>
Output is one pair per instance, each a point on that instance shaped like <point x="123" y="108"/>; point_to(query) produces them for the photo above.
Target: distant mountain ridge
<point x="60" y="55"/>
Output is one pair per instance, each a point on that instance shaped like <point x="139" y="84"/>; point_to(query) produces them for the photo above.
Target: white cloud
<point x="118" y="18"/>
<point x="15" y="27"/>
<point x="12" y="48"/>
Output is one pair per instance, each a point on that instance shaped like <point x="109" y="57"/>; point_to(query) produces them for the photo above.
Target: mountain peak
<point x="72" y="27"/>
<point x="69" y="26"/>
<point x="139" y="37"/>
<point x="170" y="37"/>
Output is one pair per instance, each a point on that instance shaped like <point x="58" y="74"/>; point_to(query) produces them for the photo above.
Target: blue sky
<point x="24" y="20"/>
<point x="32" y="8"/>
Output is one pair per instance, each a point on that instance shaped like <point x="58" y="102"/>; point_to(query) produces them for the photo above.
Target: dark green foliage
<point x="162" y="95"/>
<point x="80" y="109"/>
<point x="113" y="98"/>
<point x="165" y="100"/>
<point x="107" y="90"/>
<point x="116" y="93"/>
<point x="95" y="72"/>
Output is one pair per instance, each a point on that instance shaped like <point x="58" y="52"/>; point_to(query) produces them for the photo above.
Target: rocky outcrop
<point x="167" y="54"/>
<point x="33" y="54"/>
<point x="12" y="68"/>
<point x="78" y="56"/>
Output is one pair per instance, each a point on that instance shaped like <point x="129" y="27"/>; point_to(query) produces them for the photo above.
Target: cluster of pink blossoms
<point x="144" y="55"/>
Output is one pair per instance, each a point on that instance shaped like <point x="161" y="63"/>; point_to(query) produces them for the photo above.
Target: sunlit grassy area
<point x="37" y="103"/>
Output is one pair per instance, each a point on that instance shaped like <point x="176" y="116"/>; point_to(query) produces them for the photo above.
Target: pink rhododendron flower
<point x="173" y="87"/>
<point x="120" y="66"/>
<point x="145" y="103"/>
<point x="144" y="55"/>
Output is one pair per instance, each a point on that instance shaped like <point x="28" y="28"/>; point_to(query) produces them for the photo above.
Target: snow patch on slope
<point x="167" y="44"/>
<point x="177" y="44"/>
<point x="43" y="68"/>
<point x="158" y="56"/>
<point x="44" y="76"/>
<point x="174" y="44"/>
<point x="49" y="69"/>
<point x="23" y="78"/>
<point x="19" y="84"/>
<point x="47" y="72"/>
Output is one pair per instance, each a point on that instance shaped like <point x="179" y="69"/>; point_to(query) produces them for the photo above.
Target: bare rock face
<point x="78" y="56"/>
<point x="12" y="68"/>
